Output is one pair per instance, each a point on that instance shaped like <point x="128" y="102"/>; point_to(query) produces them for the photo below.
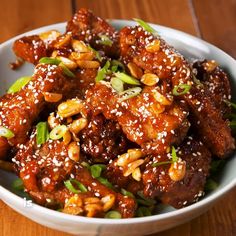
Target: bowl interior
<point x="191" y="47"/>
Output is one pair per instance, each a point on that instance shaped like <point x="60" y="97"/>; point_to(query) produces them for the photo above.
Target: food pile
<point x="113" y="123"/>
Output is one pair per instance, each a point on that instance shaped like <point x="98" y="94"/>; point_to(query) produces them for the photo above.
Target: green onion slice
<point x="86" y="165"/>
<point x="126" y="78"/>
<point x="230" y="103"/>
<point x="42" y="133"/>
<point x="145" y="201"/>
<point x="129" y="93"/>
<point x="18" y="184"/>
<point x="233" y="123"/>
<point x="117" y="84"/>
<point x="5" y="132"/>
<point x="105" y="40"/>
<point x="210" y="185"/>
<point x="117" y="65"/>
<point x="143" y="211"/>
<point x="66" y="71"/>
<point x="174" y="155"/>
<point x="50" y="60"/>
<point x="113" y="215"/>
<point x="58" y="132"/>
<point x="161" y="163"/>
<point x="102" y="72"/>
<point x="70" y="185"/>
<point x="97" y="54"/>
<point x="146" y="26"/>
<point x="97" y="169"/>
<point x="19" y="84"/>
<point x="127" y="193"/>
<point x="105" y="182"/>
<point x="184" y="88"/>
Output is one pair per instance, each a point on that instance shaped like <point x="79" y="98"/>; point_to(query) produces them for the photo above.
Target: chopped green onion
<point x="145" y="201"/>
<point x="129" y="93"/>
<point x="86" y="165"/>
<point x="183" y="87"/>
<point x="117" y="84"/>
<point x="42" y="133"/>
<point x="50" y="60"/>
<point x="210" y="185"/>
<point x="197" y="81"/>
<point x="69" y="185"/>
<point x="230" y="103"/>
<point x="146" y="26"/>
<point x="19" y="84"/>
<point x="5" y="132"/>
<point x="58" y="132"/>
<point x="97" y="54"/>
<point x="18" y="184"/>
<point x="97" y="169"/>
<point x="105" y="182"/>
<point x="161" y="163"/>
<point x="105" y="40"/>
<point x="174" y="155"/>
<point x="66" y="71"/>
<point x="233" y="123"/>
<point x="143" y="211"/>
<point x="127" y="193"/>
<point x="126" y="78"/>
<point x="113" y="215"/>
<point x="102" y="72"/>
<point x="117" y="65"/>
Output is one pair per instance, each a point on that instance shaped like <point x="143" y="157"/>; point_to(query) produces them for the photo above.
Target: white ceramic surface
<point x="191" y="47"/>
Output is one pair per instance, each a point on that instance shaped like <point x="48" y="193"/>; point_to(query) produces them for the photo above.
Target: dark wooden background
<point x="211" y="20"/>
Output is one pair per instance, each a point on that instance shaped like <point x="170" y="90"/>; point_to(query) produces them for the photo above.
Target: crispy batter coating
<point x="143" y="120"/>
<point x="158" y="183"/>
<point x="44" y="170"/>
<point x="18" y="111"/>
<point x="30" y="48"/>
<point x="85" y="26"/>
<point x="102" y="140"/>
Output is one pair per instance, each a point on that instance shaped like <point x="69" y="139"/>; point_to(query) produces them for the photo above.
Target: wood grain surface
<point x="213" y="20"/>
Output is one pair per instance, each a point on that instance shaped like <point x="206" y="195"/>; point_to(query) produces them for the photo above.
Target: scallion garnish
<point x="19" y="84"/>
<point x="174" y="158"/>
<point x="113" y="215"/>
<point x="117" y="66"/>
<point x="129" y="93"/>
<point x="97" y="169"/>
<point x="55" y="61"/>
<point x="66" y="71"/>
<point x="50" y="60"/>
<point x="86" y="165"/>
<point x="127" y="193"/>
<point x="6" y="133"/>
<point x="105" y="40"/>
<point x="70" y="185"/>
<point x="58" y="132"/>
<point x="197" y="81"/>
<point x="181" y="89"/>
<point x="42" y="133"/>
<point x="145" y="201"/>
<point x="143" y="211"/>
<point x="18" y="184"/>
<point x="97" y="54"/>
<point x="210" y="185"/>
<point x="233" y="123"/>
<point x="117" y="84"/>
<point x="105" y="182"/>
<point x="126" y="78"/>
<point x="102" y="72"/>
<point x="146" y="26"/>
<point x="230" y="103"/>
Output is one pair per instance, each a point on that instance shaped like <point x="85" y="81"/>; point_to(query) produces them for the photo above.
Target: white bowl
<point x="190" y="47"/>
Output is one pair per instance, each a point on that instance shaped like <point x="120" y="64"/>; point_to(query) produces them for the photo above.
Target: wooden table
<point x="212" y="20"/>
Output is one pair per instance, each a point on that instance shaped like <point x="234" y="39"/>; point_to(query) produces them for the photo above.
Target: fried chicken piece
<point x="143" y="119"/>
<point x="18" y="111"/>
<point x="44" y="170"/>
<point x="216" y="81"/>
<point x="208" y="122"/>
<point x="181" y="193"/>
<point x="102" y="140"/>
<point x="30" y="48"/>
<point x="91" y="29"/>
